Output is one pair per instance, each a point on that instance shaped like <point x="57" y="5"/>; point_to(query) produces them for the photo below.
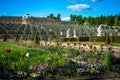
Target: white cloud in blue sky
<point x="79" y="7"/>
<point x="84" y="0"/>
<point x="63" y="7"/>
<point x="66" y="19"/>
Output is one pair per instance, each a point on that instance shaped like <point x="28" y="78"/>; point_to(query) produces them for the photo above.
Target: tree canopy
<point x="106" y="20"/>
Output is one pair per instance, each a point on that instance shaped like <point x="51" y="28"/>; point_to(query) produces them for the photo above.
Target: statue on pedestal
<point x="68" y="33"/>
<point x="100" y="31"/>
<point x="74" y="32"/>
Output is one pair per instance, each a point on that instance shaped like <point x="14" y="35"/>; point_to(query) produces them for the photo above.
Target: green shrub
<point x="97" y="38"/>
<point x="73" y="39"/>
<point x="107" y="39"/>
<point x="68" y="39"/>
<point x="36" y="38"/>
<point x="116" y="39"/>
<point x="84" y="38"/>
<point x="76" y="39"/>
<point x="107" y="61"/>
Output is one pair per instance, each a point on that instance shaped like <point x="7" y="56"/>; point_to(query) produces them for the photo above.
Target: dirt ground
<point x="116" y="51"/>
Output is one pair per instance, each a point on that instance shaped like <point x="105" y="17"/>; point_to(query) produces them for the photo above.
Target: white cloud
<point x="79" y="7"/>
<point x="96" y="0"/>
<point x="66" y="19"/>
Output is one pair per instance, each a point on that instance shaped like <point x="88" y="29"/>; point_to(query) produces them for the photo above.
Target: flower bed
<point x="49" y="61"/>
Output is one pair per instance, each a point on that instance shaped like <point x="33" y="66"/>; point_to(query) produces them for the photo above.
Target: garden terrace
<point x="27" y="31"/>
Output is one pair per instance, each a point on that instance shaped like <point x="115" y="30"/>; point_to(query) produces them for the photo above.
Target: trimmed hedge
<point x="76" y="39"/>
<point x="84" y="38"/>
<point x="97" y="38"/>
<point x="69" y="39"/>
<point x="115" y="39"/>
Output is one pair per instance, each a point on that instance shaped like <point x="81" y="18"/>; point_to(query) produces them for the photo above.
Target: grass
<point x="37" y="56"/>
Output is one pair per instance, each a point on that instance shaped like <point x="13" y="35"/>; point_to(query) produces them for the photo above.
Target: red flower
<point x="68" y="43"/>
<point x="90" y="46"/>
<point x="110" y="48"/>
<point x="64" y="46"/>
<point x="91" y="51"/>
<point x="33" y="68"/>
<point x="8" y="50"/>
<point x="102" y="45"/>
<point x="84" y="44"/>
<point x="113" y="51"/>
<point x="74" y="44"/>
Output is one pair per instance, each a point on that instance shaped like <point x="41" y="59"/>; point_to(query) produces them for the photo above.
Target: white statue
<point x="74" y="32"/>
<point x="100" y="31"/>
<point x="68" y="33"/>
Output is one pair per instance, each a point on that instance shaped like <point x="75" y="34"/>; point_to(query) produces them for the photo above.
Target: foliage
<point x="5" y="37"/>
<point x="97" y="38"/>
<point x="76" y="39"/>
<point x="116" y="39"/>
<point x="58" y="17"/>
<point x="36" y="38"/>
<point x="107" y="39"/>
<point x="107" y="61"/>
<point x="106" y="20"/>
<point x="84" y="38"/>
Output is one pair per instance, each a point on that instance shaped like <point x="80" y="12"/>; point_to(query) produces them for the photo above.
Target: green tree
<point x="36" y="38"/>
<point x="79" y="19"/>
<point x="89" y="19"/>
<point x="116" y="20"/>
<point x="73" y="17"/>
<point x="51" y="15"/>
<point x="58" y="17"/>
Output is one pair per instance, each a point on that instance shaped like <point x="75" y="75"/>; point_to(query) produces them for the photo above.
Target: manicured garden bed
<point x="33" y="61"/>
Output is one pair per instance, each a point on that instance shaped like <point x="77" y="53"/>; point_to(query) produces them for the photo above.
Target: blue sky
<point x="43" y="8"/>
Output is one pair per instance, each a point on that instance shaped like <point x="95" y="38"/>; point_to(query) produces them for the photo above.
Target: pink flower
<point x="81" y="50"/>
<point x="111" y="43"/>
